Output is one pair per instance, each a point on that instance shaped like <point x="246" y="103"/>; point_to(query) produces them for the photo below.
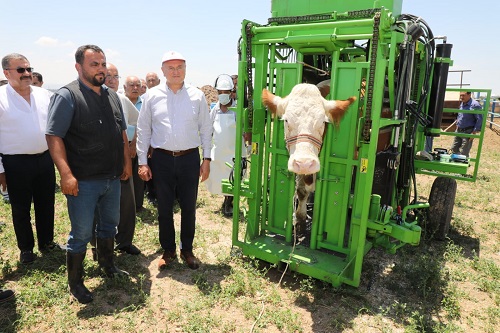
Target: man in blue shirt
<point x="87" y="139"/>
<point x="467" y="123"/>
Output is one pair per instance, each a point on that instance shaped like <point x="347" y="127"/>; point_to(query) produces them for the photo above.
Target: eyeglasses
<point x="179" y="68"/>
<point x="109" y="77"/>
<point x="21" y="70"/>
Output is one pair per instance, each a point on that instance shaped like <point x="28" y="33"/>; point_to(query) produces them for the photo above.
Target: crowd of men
<point x="108" y="148"/>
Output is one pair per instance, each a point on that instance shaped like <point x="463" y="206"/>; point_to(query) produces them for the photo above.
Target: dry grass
<point x="449" y="286"/>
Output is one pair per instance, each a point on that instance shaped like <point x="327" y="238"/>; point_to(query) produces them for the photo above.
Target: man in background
<point x="152" y="80"/>
<point x="126" y="227"/>
<point x="144" y="87"/>
<point x="467" y="123"/>
<point x="132" y="89"/>
<point x="234" y="77"/>
<point x="37" y="79"/>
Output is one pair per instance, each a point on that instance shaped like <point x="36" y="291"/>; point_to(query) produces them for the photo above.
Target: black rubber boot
<point x="105" y="253"/>
<point x="227" y="206"/>
<point x="6" y="295"/>
<point x="74" y="262"/>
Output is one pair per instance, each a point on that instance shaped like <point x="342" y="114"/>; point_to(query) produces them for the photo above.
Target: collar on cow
<point x="303" y="138"/>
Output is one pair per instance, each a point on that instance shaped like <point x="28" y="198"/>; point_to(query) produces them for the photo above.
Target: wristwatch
<point x="207" y="159"/>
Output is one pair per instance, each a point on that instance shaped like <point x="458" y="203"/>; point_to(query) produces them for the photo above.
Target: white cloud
<point x="47" y="41"/>
<point x="111" y="54"/>
<point x="68" y="44"/>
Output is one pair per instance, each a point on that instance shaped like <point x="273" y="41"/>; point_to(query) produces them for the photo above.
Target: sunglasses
<point x="21" y="70"/>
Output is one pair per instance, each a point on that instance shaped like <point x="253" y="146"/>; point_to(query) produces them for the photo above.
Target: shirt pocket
<point x="91" y="127"/>
<point x="91" y="149"/>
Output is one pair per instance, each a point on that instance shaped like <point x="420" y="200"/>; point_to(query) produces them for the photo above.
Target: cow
<point x="304" y="112"/>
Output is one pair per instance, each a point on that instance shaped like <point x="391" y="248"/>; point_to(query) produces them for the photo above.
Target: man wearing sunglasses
<point x="26" y="167"/>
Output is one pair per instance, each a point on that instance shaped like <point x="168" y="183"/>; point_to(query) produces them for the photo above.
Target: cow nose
<point x="304" y="166"/>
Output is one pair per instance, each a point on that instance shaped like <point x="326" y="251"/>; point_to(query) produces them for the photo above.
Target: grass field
<point x="439" y="286"/>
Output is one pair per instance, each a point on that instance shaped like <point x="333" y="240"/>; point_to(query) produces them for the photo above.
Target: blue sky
<point x="135" y="34"/>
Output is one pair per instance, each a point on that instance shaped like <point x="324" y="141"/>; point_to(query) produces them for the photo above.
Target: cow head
<point x="305" y="112"/>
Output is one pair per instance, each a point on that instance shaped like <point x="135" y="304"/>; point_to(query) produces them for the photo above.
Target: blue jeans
<point x="99" y="197"/>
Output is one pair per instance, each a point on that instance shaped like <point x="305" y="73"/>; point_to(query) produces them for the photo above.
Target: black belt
<point x="176" y="153"/>
<point x="465" y="129"/>
<point x="32" y="155"/>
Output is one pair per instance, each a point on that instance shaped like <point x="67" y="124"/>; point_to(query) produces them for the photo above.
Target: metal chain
<point x="355" y="14"/>
<point x="298" y="19"/>
<point x="248" y="31"/>
<point x="371" y="77"/>
<point x="364" y="13"/>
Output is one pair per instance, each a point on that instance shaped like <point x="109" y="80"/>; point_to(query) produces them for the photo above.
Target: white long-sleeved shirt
<point x="173" y="121"/>
<point x="22" y="125"/>
<point x="131" y="114"/>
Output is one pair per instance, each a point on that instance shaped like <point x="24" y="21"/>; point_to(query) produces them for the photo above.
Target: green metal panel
<point x="348" y="218"/>
<point x="459" y="171"/>
<point x="337" y="160"/>
<point x="311" y="7"/>
<point x="281" y="181"/>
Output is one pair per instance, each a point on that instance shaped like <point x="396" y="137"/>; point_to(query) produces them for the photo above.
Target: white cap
<point x="224" y="82"/>
<point x="172" y="55"/>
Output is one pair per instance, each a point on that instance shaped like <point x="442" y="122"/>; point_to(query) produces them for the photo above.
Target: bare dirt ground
<point x="386" y="298"/>
<point x="435" y="287"/>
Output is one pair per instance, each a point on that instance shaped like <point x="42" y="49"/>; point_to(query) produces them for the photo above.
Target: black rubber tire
<point x="441" y="201"/>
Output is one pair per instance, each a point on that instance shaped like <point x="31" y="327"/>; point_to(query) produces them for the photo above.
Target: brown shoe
<point x="190" y="259"/>
<point x="166" y="259"/>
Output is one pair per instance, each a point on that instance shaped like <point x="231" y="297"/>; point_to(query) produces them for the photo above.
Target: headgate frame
<point x="364" y="188"/>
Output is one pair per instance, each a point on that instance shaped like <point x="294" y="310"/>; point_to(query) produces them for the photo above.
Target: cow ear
<point x="272" y="102"/>
<point x="335" y="110"/>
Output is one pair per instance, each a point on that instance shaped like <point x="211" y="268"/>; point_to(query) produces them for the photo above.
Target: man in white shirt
<point x="26" y="167"/>
<point x="152" y="80"/>
<point x="174" y="120"/>
<point x="132" y="91"/>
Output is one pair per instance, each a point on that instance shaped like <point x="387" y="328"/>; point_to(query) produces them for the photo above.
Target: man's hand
<point x="205" y="170"/>
<point x="3" y="181"/>
<point x="132" y="149"/>
<point x="69" y="185"/>
<point x="145" y="173"/>
<point x="127" y="171"/>
<point x="127" y="162"/>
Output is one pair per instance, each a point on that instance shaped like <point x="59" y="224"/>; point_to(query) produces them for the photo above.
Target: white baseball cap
<point x="172" y="55"/>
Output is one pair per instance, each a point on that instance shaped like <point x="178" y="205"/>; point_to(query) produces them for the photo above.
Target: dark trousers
<point x="150" y="186"/>
<point x="138" y="184"/>
<point x="462" y="145"/>
<point x="126" y="227"/>
<point x="176" y="177"/>
<point x="31" y="178"/>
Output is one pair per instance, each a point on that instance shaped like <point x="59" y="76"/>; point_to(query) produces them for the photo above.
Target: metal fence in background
<point x="495" y="105"/>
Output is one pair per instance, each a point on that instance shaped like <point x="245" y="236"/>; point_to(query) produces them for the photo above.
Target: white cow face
<point x="305" y="112"/>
